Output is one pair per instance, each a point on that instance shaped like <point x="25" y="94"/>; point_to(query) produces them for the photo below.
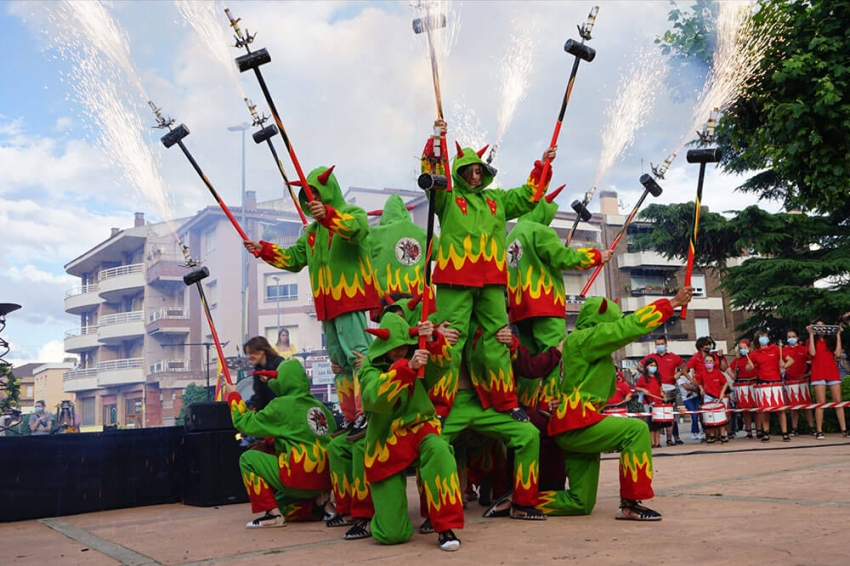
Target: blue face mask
<point x="744" y="351"/>
<point x="652" y="369"/>
<point x="792" y="341"/>
<point x="39" y="409"/>
<point x="764" y="340"/>
<point x="660" y="349"/>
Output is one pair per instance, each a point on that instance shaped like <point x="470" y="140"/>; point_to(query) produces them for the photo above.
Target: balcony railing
<point x="79" y="374"/>
<point x="126" y="363"/>
<point x="84" y="331"/>
<point x="81" y="290"/>
<point x="120" y="271"/>
<point x="167" y="313"/>
<point x="121" y="317"/>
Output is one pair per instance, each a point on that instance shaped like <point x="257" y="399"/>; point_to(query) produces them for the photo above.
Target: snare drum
<point x="745" y="395"/>
<point x="662" y="413"/>
<point x="714" y="414"/>
<point x="668" y="392"/>
<point x="769" y="395"/>
<point x="798" y="393"/>
<point x="616" y="411"/>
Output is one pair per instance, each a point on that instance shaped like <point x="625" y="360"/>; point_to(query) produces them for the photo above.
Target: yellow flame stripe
<point x="632" y="466"/>
<point x="467" y="256"/>
<point x="526" y="483"/>
<point x="649" y="316"/>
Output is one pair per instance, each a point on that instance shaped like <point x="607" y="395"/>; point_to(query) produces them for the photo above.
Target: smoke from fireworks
<point x="515" y="67"/>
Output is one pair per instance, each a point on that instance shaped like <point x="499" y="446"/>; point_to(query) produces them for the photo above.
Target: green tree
<point x="792" y="128"/>
<point x="690" y="45"/>
<point x="192" y="394"/>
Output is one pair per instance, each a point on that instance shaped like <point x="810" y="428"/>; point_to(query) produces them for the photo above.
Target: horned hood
<point x="596" y="310"/>
<point x="291" y="380"/>
<point x="394" y="211"/>
<point x="329" y="191"/>
<point x="396" y="332"/>
<point x="468" y="156"/>
<point x="543" y="213"/>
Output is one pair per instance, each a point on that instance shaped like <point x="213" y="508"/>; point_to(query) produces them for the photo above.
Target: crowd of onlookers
<point x="739" y="392"/>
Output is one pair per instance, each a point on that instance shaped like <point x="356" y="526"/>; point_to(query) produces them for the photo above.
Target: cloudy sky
<point x="353" y="86"/>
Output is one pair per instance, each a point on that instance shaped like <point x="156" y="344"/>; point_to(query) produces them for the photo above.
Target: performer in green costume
<point x="536" y="296"/>
<point x="398" y="250"/>
<point x="299" y="424"/>
<point x="469" y="269"/>
<point x="404" y="431"/>
<point x="577" y="422"/>
<point x="336" y="254"/>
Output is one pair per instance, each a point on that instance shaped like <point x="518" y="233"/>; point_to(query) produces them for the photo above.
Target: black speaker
<point x="211" y="472"/>
<point x="208" y="416"/>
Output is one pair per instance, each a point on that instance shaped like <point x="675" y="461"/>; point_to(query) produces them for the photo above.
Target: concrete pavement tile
<point x="31" y="543"/>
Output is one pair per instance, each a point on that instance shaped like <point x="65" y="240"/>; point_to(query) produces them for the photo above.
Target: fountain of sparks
<point x="204" y="17"/>
<point x="736" y="64"/>
<point x="466" y="127"/>
<point x="515" y="67"/>
<point x="630" y="109"/>
<point x="446" y="38"/>
<point x="88" y="37"/>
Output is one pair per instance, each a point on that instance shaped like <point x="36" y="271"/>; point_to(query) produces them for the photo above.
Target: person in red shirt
<point x="767" y="363"/>
<point x="825" y="374"/>
<point x="649" y="383"/>
<point x="622" y="394"/>
<point x="745" y="395"/>
<point x="670" y="366"/>
<point x="795" y="359"/>
<point x="712" y="386"/>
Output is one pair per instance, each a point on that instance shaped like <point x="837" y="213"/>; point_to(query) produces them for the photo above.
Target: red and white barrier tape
<point x="684" y="411"/>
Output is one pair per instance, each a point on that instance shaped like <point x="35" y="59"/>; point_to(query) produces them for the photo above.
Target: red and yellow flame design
<point x="391" y="386"/>
<point x="305" y="467"/>
<point x="402" y="282"/>
<point x="488" y="251"/>
<point x="650" y="316"/>
<point x="261" y="496"/>
<point x="573" y="412"/>
<point x="636" y="476"/>
<point x="443" y="393"/>
<point x="392" y="454"/>
<point x="338" y="222"/>
<point x="525" y="484"/>
<point x="446" y="491"/>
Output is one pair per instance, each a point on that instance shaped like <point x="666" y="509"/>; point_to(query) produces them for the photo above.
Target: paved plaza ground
<point x="741" y="503"/>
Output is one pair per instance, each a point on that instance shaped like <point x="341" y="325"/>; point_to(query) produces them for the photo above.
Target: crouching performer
<point x="299" y="475"/>
<point x="404" y="431"/>
<point x="577" y="423"/>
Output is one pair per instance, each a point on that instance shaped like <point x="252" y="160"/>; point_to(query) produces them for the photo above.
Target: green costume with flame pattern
<point x="336" y="254"/>
<point x="299" y="424"/>
<point x="536" y="296"/>
<point x="403" y="431"/>
<point x="578" y="425"/>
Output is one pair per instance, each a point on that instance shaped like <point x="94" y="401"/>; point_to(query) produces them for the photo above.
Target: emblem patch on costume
<point x="408" y="251"/>
<point x="514" y="254"/>
<point x="317" y="421"/>
<point x="492" y="204"/>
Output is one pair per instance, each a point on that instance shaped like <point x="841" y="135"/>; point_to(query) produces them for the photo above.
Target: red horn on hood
<point x="375" y="212"/>
<point x="382" y="333"/>
<point x="410" y="206"/>
<point x="481" y="151"/>
<point x="414" y="331"/>
<point x="603" y="306"/>
<point x="411" y="304"/>
<point x="295" y="184"/>
<point x="323" y="178"/>
<point x="459" y="150"/>
<point x="617" y="300"/>
<point x="389" y="300"/>
<point x="551" y="196"/>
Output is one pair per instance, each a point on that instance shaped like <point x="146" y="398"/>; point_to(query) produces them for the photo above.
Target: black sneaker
<point x="358" y="429"/>
<point x="358" y="531"/>
<point x="343" y="428"/>
<point x="426" y="528"/>
<point x="447" y="541"/>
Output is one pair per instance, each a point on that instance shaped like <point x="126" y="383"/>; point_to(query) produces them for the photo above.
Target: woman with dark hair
<point x="825" y="350"/>
<point x="285" y="348"/>
<point x="649" y="383"/>
<point x="767" y="361"/>
<point x="263" y="357"/>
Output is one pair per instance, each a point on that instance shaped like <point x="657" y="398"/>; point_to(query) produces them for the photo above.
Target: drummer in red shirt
<point x="670" y="366"/>
<point x="795" y="357"/>
<point x="767" y="362"/>
<point x="745" y="394"/>
<point x="622" y="395"/>
<point x="649" y="383"/>
<point x="712" y="386"/>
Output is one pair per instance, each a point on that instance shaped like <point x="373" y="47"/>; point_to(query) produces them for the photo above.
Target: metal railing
<point x="116" y="365"/>
<point x="168" y="313"/>
<point x="84" y="331"/>
<point x="121" y="317"/>
<point x="81" y="290"/>
<point x="120" y="271"/>
<point x="79" y="374"/>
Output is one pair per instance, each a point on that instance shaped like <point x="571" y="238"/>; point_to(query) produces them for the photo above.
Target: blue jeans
<point x="692" y="404"/>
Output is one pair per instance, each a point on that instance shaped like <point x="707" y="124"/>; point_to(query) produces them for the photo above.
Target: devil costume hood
<point x="536" y="257"/>
<point x="334" y="250"/>
<point x="299" y="424"/>
<point x="398" y="250"/>
<point x="601" y="330"/>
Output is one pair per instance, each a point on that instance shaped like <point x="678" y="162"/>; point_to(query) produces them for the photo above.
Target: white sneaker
<point x="701" y="436"/>
<point x="694" y="436"/>
<point x="267" y="521"/>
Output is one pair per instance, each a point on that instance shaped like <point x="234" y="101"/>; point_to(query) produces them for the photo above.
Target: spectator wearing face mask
<point x="670" y="367"/>
<point x="745" y="393"/>
<point x="713" y="386"/>
<point x="825" y="351"/>
<point x="41" y="422"/>
<point x="649" y="383"/>
<point x="767" y="362"/>
<point x="795" y="358"/>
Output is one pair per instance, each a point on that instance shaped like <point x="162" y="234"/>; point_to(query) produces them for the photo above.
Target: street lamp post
<point x="243" y="127"/>
<point x="277" y="295"/>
